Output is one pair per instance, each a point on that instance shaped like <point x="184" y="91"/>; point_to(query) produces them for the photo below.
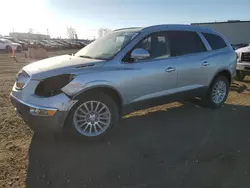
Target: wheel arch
<point x="108" y="90"/>
<point x="222" y="72"/>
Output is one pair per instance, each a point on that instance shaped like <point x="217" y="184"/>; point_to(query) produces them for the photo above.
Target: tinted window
<point x="157" y="44"/>
<point x="215" y="41"/>
<point x="185" y="42"/>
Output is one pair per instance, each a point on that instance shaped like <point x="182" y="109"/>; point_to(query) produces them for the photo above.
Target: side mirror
<point x="139" y="53"/>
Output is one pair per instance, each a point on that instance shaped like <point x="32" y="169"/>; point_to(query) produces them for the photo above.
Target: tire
<point x="240" y="75"/>
<point x="72" y="126"/>
<point x="210" y="98"/>
<point x="8" y="49"/>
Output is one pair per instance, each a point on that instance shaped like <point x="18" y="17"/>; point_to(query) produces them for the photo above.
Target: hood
<point x="244" y="49"/>
<point x="64" y="64"/>
<point x="15" y="44"/>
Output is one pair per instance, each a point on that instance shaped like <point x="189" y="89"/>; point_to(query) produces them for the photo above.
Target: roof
<point x="166" y="26"/>
<point x="177" y="27"/>
<point x="226" y="22"/>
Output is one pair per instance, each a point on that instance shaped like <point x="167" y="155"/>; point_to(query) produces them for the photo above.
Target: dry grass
<point x="15" y="135"/>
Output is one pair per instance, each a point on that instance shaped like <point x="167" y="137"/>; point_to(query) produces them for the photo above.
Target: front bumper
<point x="39" y="123"/>
<point x="243" y="66"/>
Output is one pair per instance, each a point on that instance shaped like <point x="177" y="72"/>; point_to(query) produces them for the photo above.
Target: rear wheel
<point x="93" y="117"/>
<point x="240" y="75"/>
<point x="217" y="92"/>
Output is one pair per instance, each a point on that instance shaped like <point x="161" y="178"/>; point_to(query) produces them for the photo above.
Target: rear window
<point x="215" y="41"/>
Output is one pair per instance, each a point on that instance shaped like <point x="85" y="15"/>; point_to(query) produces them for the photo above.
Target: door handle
<point x="170" y="69"/>
<point x="204" y="64"/>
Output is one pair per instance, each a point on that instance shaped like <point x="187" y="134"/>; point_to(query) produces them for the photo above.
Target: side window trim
<point x="205" y="42"/>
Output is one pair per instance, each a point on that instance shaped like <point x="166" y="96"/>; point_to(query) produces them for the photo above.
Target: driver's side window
<point x="157" y="44"/>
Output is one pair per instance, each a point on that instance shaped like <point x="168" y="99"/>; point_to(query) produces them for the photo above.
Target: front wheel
<point x="93" y="117"/>
<point x="217" y="92"/>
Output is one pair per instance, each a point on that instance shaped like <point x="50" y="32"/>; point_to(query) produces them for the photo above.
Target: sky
<point x="87" y="16"/>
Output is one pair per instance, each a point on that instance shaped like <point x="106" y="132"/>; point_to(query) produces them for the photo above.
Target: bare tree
<point x="71" y="32"/>
<point x="103" y="31"/>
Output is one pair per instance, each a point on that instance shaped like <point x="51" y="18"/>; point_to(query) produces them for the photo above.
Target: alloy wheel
<point x="92" y="118"/>
<point x="219" y="92"/>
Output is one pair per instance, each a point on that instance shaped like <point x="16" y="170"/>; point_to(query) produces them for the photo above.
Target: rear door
<point x="191" y="56"/>
<point x="219" y="57"/>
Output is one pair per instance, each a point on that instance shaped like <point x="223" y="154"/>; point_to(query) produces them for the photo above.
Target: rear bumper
<point x="39" y="123"/>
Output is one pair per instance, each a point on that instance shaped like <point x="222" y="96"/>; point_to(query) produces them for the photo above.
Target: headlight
<point x="22" y="78"/>
<point x="238" y="56"/>
<point x="52" y="86"/>
<point x="42" y="112"/>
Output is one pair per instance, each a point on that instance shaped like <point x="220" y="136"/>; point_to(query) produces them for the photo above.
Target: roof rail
<point x="126" y="28"/>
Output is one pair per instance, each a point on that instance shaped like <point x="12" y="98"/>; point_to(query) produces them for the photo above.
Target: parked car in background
<point x="42" y="44"/>
<point x="128" y="69"/>
<point x="52" y="45"/>
<point x="59" y="46"/>
<point x="82" y="44"/>
<point x="243" y="62"/>
<point x="73" y="44"/>
<point x="237" y="46"/>
<point x="65" y="44"/>
<point x="23" y="44"/>
<point x="7" y="45"/>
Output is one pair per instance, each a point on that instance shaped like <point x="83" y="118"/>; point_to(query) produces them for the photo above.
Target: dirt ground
<point x="181" y="144"/>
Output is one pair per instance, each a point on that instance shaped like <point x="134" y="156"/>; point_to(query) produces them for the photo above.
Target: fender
<point x="76" y="88"/>
<point x="217" y="72"/>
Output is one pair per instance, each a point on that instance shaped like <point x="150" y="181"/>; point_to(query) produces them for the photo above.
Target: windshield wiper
<point x="85" y="56"/>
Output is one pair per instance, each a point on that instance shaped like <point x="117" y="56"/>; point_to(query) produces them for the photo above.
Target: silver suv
<point x="126" y="70"/>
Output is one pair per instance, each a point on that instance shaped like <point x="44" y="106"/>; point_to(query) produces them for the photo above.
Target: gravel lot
<point x="180" y="144"/>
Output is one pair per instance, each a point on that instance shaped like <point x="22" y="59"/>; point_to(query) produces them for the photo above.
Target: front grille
<point x="245" y="56"/>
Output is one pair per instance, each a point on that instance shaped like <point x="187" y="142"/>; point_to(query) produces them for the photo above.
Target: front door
<point x="155" y="76"/>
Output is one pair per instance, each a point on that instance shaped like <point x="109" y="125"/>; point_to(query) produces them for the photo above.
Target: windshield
<point x="108" y="46"/>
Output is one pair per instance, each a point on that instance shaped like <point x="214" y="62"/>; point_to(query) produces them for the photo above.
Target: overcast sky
<point x="86" y="16"/>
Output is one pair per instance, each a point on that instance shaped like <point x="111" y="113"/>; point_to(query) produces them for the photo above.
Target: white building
<point x="28" y="36"/>
<point x="236" y="31"/>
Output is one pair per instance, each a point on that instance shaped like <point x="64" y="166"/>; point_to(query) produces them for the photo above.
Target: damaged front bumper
<point x="42" y="113"/>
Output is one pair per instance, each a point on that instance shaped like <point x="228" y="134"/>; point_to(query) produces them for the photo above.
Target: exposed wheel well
<point x="108" y="91"/>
